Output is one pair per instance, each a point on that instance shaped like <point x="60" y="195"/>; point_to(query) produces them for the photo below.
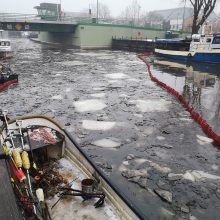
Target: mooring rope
<point x="4" y="85"/>
<point x="196" y="116"/>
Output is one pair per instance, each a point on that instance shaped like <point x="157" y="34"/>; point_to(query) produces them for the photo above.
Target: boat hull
<point x="77" y="156"/>
<point x="7" y="81"/>
<point x="199" y="56"/>
<point x="5" y="55"/>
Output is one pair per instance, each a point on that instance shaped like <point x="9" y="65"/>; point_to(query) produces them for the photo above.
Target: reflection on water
<point x="197" y="82"/>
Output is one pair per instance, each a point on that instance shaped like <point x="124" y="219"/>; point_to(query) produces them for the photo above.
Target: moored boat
<point x="53" y="178"/>
<point x="5" y="47"/>
<point x="7" y="77"/>
<point x="202" y="48"/>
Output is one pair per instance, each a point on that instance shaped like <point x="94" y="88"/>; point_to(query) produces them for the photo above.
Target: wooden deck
<point x="8" y="206"/>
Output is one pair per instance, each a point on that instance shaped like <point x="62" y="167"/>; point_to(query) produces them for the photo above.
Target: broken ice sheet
<point x="98" y="95"/>
<point x="57" y="97"/>
<point x="116" y="75"/>
<point x="89" y="105"/>
<point x="159" y="105"/>
<point x="98" y="125"/>
<point x="106" y="143"/>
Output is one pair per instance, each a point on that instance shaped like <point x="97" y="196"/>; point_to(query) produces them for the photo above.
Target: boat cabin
<point x="205" y="42"/>
<point x="173" y="44"/>
<point x="5" y="45"/>
<point x="5" y="49"/>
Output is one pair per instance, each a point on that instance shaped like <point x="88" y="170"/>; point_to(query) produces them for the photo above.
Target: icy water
<point x="137" y="133"/>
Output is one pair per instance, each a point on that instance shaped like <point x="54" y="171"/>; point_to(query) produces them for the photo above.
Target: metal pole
<point x="60" y="11"/>
<point x="97" y="11"/>
<point x="183" y="23"/>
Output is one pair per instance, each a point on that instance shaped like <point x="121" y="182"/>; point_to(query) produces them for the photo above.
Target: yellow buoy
<point x="25" y="160"/>
<point x="17" y="158"/>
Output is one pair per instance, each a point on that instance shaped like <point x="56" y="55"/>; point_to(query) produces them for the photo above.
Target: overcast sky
<point x="115" y="6"/>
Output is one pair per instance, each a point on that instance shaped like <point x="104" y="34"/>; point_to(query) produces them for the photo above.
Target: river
<point x="136" y="132"/>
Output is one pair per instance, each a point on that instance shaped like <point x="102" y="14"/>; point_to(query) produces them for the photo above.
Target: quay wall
<point x="98" y="36"/>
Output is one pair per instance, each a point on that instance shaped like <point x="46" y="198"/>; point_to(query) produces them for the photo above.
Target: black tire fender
<point x="189" y="55"/>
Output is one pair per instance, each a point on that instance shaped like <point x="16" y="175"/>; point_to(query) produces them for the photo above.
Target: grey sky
<point x="115" y="6"/>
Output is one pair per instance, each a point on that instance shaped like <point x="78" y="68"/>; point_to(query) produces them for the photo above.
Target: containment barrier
<point x="6" y="84"/>
<point x="205" y="126"/>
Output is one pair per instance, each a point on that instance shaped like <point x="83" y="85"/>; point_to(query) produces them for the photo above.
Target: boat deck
<point x="8" y="208"/>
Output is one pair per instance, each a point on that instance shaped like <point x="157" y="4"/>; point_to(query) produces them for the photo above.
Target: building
<point x="175" y="17"/>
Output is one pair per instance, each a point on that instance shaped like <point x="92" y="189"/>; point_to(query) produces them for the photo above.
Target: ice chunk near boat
<point x="98" y="125"/>
<point x="89" y="105"/>
<point x="159" y="105"/>
<point x="106" y="143"/>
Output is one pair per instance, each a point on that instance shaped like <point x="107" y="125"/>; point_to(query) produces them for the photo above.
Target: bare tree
<point x="104" y="11"/>
<point x="132" y="12"/>
<point x="202" y="10"/>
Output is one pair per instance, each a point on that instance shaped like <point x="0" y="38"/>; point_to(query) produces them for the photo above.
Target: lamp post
<point x="97" y="11"/>
<point x="60" y="11"/>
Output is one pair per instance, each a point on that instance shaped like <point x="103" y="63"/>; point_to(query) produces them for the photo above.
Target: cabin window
<point x="216" y="40"/>
<point x="195" y="40"/>
<point x="208" y="40"/>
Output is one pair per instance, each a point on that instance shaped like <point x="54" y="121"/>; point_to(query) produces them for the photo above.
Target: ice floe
<point x="198" y="175"/>
<point x="92" y="54"/>
<point x="203" y="140"/>
<point x="160" y="138"/>
<point x="106" y="143"/>
<point x="98" y="95"/>
<point x="98" y="125"/>
<point x="116" y="75"/>
<point x="68" y="89"/>
<point x="57" y="97"/>
<point x="105" y="57"/>
<point x="99" y="88"/>
<point x="73" y="63"/>
<point x="159" y="105"/>
<point x="89" y="105"/>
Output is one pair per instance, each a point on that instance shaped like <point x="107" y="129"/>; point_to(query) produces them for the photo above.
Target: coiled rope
<point x="204" y="125"/>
